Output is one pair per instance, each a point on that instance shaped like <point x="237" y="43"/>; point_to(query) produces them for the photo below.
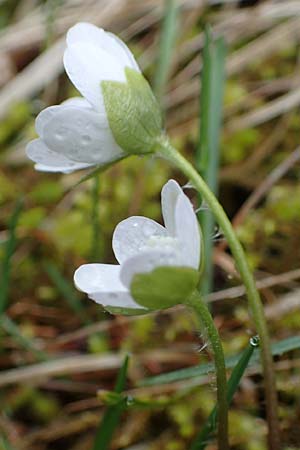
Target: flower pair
<point x="117" y="116"/>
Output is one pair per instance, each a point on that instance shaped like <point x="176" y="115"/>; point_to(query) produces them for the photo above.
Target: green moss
<point x="238" y="145"/>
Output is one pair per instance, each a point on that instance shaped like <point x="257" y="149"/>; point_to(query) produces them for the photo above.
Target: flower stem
<point x="199" y="305"/>
<point x="168" y="152"/>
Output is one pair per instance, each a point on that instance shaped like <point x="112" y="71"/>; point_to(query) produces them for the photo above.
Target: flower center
<point x="164" y="243"/>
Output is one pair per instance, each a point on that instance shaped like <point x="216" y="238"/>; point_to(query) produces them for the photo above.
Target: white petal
<point x="57" y="169"/>
<point x="169" y="196"/>
<point x="116" y="299"/>
<point x="88" y="65"/>
<point x="44" y="117"/>
<point x="90" y="34"/>
<point x="131" y="236"/>
<point x="91" y="278"/>
<point x="84" y="32"/>
<point x="48" y="113"/>
<point x="121" y="50"/>
<point x="48" y="161"/>
<point x="102" y="284"/>
<point x="77" y="101"/>
<point x="147" y="261"/>
<point x="81" y="135"/>
<point x="187" y="232"/>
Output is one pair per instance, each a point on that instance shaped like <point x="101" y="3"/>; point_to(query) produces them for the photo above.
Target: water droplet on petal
<point x="58" y="136"/>
<point x="85" y="140"/>
<point x="112" y="296"/>
<point x="148" y="230"/>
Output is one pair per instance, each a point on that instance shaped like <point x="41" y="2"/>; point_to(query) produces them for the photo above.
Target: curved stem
<point x="171" y="154"/>
<point x="206" y="320"/>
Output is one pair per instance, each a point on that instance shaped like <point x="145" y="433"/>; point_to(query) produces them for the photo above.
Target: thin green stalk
<point x="95" y="247"/>
<point x="206" y="320"/>
<point x="166" y="150"/>
<point x="203" y="438"/>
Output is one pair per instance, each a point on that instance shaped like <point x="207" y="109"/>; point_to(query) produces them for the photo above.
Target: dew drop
<point x="188" y="185"/>
<point x="147" y="230"/>
<point x="129" y="400"/>
<point x="58" y="136"/>
<point x="112" y="296"/>
<point x="203" y="347"/>
<point x="254" y="341"/>
<point x="85" y="139"/>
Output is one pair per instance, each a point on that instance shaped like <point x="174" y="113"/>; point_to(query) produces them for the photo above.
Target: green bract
<point x="164" y="287"/>
<point x="133" y="113"/>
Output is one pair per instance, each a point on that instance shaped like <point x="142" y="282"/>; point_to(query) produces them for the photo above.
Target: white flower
<point x="77" y="134"/>
<point x="140" y="246"/>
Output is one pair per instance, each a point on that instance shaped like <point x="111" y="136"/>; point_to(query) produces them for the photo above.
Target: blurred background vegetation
<point x="57" y="347"/>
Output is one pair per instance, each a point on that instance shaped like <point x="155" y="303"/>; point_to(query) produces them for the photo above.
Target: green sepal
<point x="116" y="310"/>
<point x="164" y="287"/>
<point x="133" y="113"/>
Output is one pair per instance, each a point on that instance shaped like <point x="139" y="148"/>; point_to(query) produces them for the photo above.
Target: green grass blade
<point x="240" y="368"/>
<point x="113" y="413"/>
<point x="121" y="378"/>
<point x="96" y="243"/>
<point x="166" y="47"/>
<point x="285" y="345"/>
<point x="108" y="425"/>
<point x="4" y="444"/>
<point x="183" y="374"/>
<point x="278" y="348"/>
<point x="11" y="328"/>
<point x="203" y="437"/>
<point x="8" y="253"/>
<point x="67" y="291"/>
<point x="207" y="155"/>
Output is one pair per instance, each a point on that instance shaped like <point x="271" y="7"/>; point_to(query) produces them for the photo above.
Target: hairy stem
<point x="172" y="155"/>
<point x="207" y="322"/>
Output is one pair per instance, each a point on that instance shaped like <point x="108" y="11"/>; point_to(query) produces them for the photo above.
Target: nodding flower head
<point x="158" y="265"/>
<point x="117" y="115"/>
